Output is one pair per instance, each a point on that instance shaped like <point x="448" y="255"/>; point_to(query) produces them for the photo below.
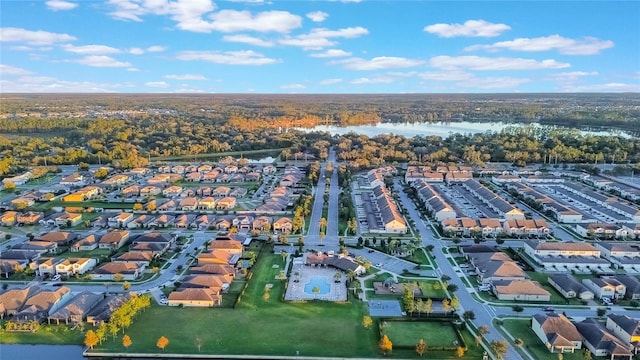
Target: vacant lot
<point x="405" y="333"/>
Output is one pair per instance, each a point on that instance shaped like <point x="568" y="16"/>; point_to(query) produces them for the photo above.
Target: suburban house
<point x="39" y="306"/>
<point x="557" y="332"/>
<point x="495" y="202"/>
<point x="76" y="310"/>
<point x="130" y="191"/>
<point x="141" y="258"/>
<point x="569" y="287"/>
<point x="121" y="220"/>
<point x="601" y="342"/>
<point x="72" y="266"/>
<point x="172" y="191"/>
<point x="231" y="246"/>
<point x="169" y="205"/>
<point x="564" y="256"/>
<point x="601" y="230"/>
<point x="526" y="227"/>
<point x="87" y="243"/>
<point x="150" y="190"/>
<point x="343" y="263"/>
<point x="8" y="218"/>
<point x="127" y="270"/>
<point x="60" y="238"/>
<point x="494" y="266"/>
<point x="621" y="255"/>
<point x="520" y="290"/>
<point x="42" y="247"/>
<point x="283" y="225"/>
<point x="165" y="239"/>
<point x="261" y="223"/>
<point x="115" y="180"/>
<point x="632" y="285"/>
<point x="207" y="203"/>
<point x="625" y="328"/>
<point x="163" y="221"/>
<point x="243" y="223"/>
<point x="226" y="203"/>
<point x="113" y="239"/>
<point x="141" y="222"/>
<point x="605" y="287"/>
<point x="45" y="266"/>
<point x="200" y="297"/>
<point x="215" y="282"/>
<point x="28" y="218"/>
<point x="68" y="219"/>
<point x="217" y="257"/>
<point x="13" y="299"/>
<point x="210" y="268"/>
<point x="101" y="313"/>
<point x="188" y="204"/>
<point x="184" y="221"/>
<point x="73" y="180"/>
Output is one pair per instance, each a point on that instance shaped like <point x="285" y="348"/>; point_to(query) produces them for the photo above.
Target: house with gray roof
<point x="76" y="309"/>
<point x="569" y="287"/>
<point x="101" y="313"/>
<point x="601" y="342"/>
<point x="632" y="285"/>
<point x="625" y="328"/>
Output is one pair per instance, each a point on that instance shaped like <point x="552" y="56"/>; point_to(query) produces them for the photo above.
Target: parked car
<point x="548" y="308"/>
<point x="57" y="277"/>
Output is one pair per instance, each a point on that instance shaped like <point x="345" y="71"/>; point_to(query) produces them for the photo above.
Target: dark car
<point x="548" y="308"/>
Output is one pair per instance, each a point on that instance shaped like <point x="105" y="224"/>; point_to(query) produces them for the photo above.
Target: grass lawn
<point x="522" y="329"/>
<point x="428" y="290"/>
<point x="408" y="333"/>
<point x="97" y="253"/>
<point x="47" y="334"/>
<point x="556" y="297"/>
<point x="256" y="326"/>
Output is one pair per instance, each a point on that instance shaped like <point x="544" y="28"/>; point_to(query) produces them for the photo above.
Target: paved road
<point x="330" y="242"/>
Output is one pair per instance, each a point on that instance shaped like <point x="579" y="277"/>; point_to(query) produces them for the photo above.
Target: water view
<point x="442" y="129"/>
<point x="319" y="282"/>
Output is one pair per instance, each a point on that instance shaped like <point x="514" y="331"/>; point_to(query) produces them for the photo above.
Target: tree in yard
<point x="518" y="342"/>
<point x="446" y="305"/>
<point x="367" y="321"/>
<point x="126" y="341"/>
<point x="385" y="345"/>
<point x="162" y="342"/>
<point x="445" y="279"/>
<point x="91" y="339"/>
<point x="284" y="255"/>
<point x="517" y="308"/>
<point x="500" y="347"/>
<point x="428" y="306"/>
<point x="455" y="303"/>
<point x="459" y="351"/>
<point x="198" y="343"/>
<point x="151" y="206"/>
<point x="421" y="347"/>
<point x="469" y="315"/>
<point x="483" y="330"/>
<point x="266" y="296"/>
<point x="419" y="306"/>
<point x="452" y="288"/>
<point x="117" y="277"/>
<point x="323" y="224"/>
<point x="9" y="186"/>
<point x="601" y="311"/>
<point x="101" y="332"/>
<point x="137" y="207"/>
<point x="126" y="286"/>
<point x="337" y="276"/>
<point x="478" y="340"/>
<point x="560" y="356"/>
<point x="407" y="299"/>
<point x="587" y="354"/>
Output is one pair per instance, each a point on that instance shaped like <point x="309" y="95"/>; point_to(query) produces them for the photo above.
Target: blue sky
<point x="297" y="46"/>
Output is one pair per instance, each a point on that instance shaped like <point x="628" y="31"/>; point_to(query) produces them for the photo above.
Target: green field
<point x="47" y="334"/>
<point x="408" y="333"/>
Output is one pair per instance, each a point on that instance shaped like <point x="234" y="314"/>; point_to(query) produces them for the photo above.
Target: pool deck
<point x="295" y="290"/>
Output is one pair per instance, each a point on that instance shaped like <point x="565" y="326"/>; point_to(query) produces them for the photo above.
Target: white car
<point x="379" y="265"/>
<point x="56" y="277"/>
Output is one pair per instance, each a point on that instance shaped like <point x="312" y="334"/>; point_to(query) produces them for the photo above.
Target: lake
<point x="49" y="352"/>
<point x="441" y="129"/>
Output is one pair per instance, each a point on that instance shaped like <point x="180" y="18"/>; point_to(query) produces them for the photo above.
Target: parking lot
<point x="589" y="209"/>
<point x="465" y="203"/>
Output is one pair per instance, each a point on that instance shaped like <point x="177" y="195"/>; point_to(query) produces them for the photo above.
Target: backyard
<point x="522" y="329"/>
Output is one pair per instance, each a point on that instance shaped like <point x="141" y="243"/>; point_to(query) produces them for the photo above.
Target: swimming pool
<point x="320" y="282"/>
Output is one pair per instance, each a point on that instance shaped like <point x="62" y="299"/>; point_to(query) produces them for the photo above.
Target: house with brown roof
<point x="193" y="176"/>
<point x="60" y="238"/>
<point x="72" y="266"/>
<point x="12" y="300"/>
<point x="128" y="271"/>
<point x="45" y="265"/>
<point x="169" y="205"/>
<point x="215" y="282"/>
<point x="141" y="222"/>
<point x="230" y="246"/>
<point x="116" y="180"/>
<point x="76" y="310"/>
<point x="203" y="221"/>
<point x="163" y="221"/>
<point x="39" y="306"/>
<point x="121" y="220"/>
<point x="526" y="227"/>
<point x="184" y="221"/>
<point x="226" y="203"/>
<point x="221" y="191"/>
<point x="172" y="191"/>
<point x="283" y="225"/>
<point x="130" y="191"/>
<point x="68" y="219"/>
<point x="42" y="247"/>
<point x="28" y="218"/>
<point x="207" y="203"/>
<point x="142" y="258"/>
<point x="113" y="239"/>
<point x="195" y="297"/>
<point x="188" y="204"/>
<point x="556" y="332"/>
<point x="8" y="218"/>
<point x="210" y="268"/>
<point x="222" y="223"/>
<point x="217" y="257"/>
<point x="261" y="223"/>
<point x="87" y="243"/>
<point x="520" y="290"/>
<point x="150" y="190"/>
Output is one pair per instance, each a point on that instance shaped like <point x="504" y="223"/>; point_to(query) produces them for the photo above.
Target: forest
<point x="129" y="131"/>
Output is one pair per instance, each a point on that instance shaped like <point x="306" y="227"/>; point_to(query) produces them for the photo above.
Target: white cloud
<point x="267" y="21"/>
<point x="567" y="46"/>
<point x="101" y="61"/>
<point x="293" y="86"/>
<point x="185" y="77"/>
<point x="52" y="85"/>
<point x="246" y="57"/>
<point x="156" y="48"/>
<point x="470" y="28"/>
<point x="331" y="53"/>
<point x="91" y="49"/>
<point x="378" y="63"/>
<point x="374" y="80"/>
<point x="33" y="37"/>
<point x="58" y="5"/>
<point x="12" y="70"/>
<point x="157" y="84"/>
<point x="330" y="81"/>
<point x="246" y="39"/>
<point x="132" y="69"/>
<point x="499" y="63"/>
<point x="450" y="75"/>
<point x="136" y="51"/>
<point x="317" y="16"/>
<point x="319" y="38"/>
<point x="607" y="87"/>
<point x="572" y="76"/>
<point x="492" y="83"/>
